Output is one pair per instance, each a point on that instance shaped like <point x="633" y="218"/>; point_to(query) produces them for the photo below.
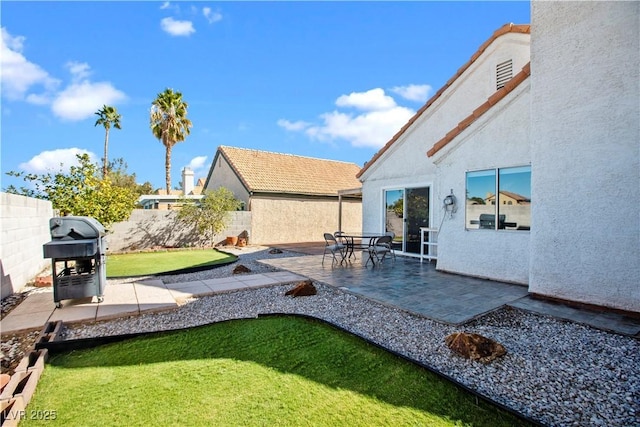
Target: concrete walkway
<point x="129" y="299"/>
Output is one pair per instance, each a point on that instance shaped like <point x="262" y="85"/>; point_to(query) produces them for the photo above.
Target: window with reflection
<point x="499" y="199"/>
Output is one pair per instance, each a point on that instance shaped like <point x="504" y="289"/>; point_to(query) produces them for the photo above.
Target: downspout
<point x="339" y="212"/>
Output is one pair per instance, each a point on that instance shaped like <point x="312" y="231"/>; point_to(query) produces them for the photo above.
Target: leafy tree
<point x="107" y="117"/>
<point x="169" y="124"/>
<point x="211" y="215"/>
<point x="80" y="192"/>
<point x="117" y="170"/>
<point x="477" y="201"/>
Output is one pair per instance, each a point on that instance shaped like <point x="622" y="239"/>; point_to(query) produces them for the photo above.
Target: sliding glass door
<point x="406" y="210"/>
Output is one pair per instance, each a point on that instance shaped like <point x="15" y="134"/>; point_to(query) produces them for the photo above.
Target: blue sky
<point x="332" y="80"/>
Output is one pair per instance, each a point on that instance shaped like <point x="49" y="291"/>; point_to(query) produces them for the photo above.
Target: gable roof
<point x="507" y="28"/>
<point x="486" y="106"/>
<point x="263" y="171"/>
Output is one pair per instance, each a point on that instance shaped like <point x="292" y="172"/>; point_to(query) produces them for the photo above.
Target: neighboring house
<point x="291" y="198"/>
<point x="164" y="201"/>
<point x="559" y="139"/>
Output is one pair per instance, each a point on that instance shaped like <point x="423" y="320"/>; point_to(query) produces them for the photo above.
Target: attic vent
<point x="504" y="72"/>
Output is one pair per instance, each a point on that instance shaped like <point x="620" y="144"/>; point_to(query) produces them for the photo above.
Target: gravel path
<point x="556" y="372"/>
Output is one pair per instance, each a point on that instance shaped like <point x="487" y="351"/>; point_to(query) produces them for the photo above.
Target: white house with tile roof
<point x="291" y="198"/>
<point x="550" y="112"/>
<point x="161" y="200"/>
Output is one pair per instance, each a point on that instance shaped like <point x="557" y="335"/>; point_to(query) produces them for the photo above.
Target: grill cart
<point x="78" y="258"/>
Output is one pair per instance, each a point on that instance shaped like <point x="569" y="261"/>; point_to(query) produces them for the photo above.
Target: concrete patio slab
<point x="84" y="309"/>
<point x="213" y="282"/>
<point x="196" y="289"/>
<point x="255" y="280"/>
<point x="24" y="320"/>
<point x="153" y="295"/>
<point x="226" y="286"/>
<point x="182" y="285"/>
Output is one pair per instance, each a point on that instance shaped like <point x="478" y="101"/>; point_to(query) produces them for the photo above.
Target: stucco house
<point x="547" y="117"/>
<point x="291" y="198"/>
<point x="163" y="201"/>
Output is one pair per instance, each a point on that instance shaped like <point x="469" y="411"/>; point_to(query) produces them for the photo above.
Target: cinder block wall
<point x="24" y="228"/>
<point x="149" y="228"/>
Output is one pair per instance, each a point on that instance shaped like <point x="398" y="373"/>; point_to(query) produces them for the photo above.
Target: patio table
<point x="350" y="240"/>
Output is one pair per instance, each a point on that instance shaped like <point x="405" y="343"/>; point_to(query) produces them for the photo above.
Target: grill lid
<point x="70" y="248"/>
<point x="75" y="227"/>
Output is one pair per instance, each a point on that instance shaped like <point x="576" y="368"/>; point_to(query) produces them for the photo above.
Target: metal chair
<point x="391" y="250"/>
<point x="379" y="249"/>
<point x="333" y="246"/>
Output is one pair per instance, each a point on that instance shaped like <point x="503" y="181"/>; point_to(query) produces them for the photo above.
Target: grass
<point x="271" y="371"/>
<point x="149" y="263"/>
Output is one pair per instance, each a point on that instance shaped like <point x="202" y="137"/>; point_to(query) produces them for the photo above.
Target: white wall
<point x="585" y="139"/>
<point x="24" y="228"/>
<point x="405" y="163"/>
<point x="498" y="139"/>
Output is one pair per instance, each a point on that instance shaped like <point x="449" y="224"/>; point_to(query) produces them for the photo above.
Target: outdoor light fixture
<point x="450" y="203"/>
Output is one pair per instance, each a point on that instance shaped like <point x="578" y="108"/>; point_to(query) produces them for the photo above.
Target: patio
<point x="417" y="287"/>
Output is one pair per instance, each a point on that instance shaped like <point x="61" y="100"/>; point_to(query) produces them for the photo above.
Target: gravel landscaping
<point x="556" y="372"/>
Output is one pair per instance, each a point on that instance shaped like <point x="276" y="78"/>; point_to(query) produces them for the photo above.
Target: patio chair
<point x="379" y="249"/>
<point x="335" y="247"/>
<point x="391" y="250"/>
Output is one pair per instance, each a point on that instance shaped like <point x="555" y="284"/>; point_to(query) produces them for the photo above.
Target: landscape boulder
<point x="304" y="288"/>
<point x="475" y="346"/>
<point x="241" y="269"/>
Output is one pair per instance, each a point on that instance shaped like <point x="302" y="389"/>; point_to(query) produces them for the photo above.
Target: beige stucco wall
<point x="24" y="228"/>
<point x="279" y="220"/>
<point x="585" y="128"/>
<point x="223" y="176"/>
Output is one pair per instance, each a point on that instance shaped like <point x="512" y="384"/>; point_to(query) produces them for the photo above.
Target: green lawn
<point x="271" y="371"/>
<point x="148" y="263"/>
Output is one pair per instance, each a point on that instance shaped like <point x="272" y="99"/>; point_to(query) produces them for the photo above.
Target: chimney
<point x="187" y="181"/>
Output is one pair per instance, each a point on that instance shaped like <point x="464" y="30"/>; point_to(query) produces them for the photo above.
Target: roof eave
<point x="507" y="28"/>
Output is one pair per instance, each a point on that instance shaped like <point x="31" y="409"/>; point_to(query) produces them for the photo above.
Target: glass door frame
<point x="404" y="189"/>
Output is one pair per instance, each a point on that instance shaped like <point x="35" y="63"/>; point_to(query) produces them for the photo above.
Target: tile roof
<point x="493" y="100"/>
<point x="507" y="28"/>
<point x="263" y="171"/>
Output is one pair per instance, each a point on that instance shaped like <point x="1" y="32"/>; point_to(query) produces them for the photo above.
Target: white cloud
<point x="197" y="163"/>
<point x="293" y="126"/>
<point x="18" y="74"/>
<point x="418" y="93"/>
<point x="79" y="70"/>
<point x="165" y="5"/>
<point x="380" y="120"/>
<point x="372" y="129"/>
<point x="177" y="28"/>
<point x="211" y="16"/>
<point x="82" y="98"/>
<point x="50" y="161"/>
<point x="371" y="100"/>
<point x="79" y="100"/>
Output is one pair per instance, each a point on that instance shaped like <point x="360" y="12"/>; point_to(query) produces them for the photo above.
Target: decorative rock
<point x="475" y="346"/>
<point x="275" y="251"/>
<point x="304" y="288"/>
<point x="241" y="269"/>
<point x="43" y="281"/>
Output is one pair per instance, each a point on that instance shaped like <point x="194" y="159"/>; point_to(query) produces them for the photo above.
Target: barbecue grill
<point x="78" y="258"/>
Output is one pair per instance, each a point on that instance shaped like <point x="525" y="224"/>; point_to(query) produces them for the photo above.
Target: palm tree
<point x="107" y="117"/>
<point x="169" y="124"/>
